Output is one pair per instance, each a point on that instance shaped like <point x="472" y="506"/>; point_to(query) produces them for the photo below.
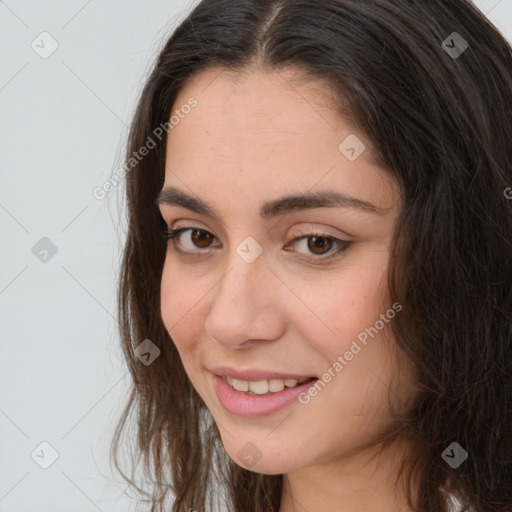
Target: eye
<point x="323" y="247"/>
<point x="198" y="238"/>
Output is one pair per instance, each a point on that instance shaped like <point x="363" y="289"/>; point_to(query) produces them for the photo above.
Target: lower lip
<point x="254" y="406"/>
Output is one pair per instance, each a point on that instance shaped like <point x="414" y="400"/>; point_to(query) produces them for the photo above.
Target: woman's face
<point x="255" y="287"/>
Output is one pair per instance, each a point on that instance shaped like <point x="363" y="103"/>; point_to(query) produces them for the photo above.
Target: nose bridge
<point x="247" y="272"/>
<point x="242" y="306"/>
<point x="242" y="286"/>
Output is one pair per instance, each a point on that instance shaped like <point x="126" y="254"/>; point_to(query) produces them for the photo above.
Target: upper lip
<point x="256" y="374"/>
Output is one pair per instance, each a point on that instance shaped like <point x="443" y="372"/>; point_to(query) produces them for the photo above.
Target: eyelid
<point x="308" y="229"/>
<point x="341" y="245"/>
<point x="311" y="229"/>
<point x="303" y="229"/>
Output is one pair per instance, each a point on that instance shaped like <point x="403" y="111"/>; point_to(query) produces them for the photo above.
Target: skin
<point x="251" y="138"/>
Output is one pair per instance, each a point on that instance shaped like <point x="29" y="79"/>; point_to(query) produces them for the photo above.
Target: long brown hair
<point x="429" y="84"/>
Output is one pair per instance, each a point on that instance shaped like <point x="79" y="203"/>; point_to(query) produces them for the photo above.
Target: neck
<point x="363" y="482"/>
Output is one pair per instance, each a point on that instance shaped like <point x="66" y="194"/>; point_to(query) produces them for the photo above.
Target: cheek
<point x="181" y="299"/>
<point x="344" y="305"/>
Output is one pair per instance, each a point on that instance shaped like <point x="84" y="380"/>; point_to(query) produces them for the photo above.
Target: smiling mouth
<point x="264" y="387"/>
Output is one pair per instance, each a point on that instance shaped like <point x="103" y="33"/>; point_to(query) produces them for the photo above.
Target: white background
<point x="63" y="123"/>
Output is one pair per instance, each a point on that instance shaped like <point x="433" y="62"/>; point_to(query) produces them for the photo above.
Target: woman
<point x="316" y="292"/>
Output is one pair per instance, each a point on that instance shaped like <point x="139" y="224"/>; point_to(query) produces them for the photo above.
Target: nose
<point x="245" y="306"/>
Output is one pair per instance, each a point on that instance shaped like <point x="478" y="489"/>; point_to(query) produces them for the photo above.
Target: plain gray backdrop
<point x="70" y="76"/>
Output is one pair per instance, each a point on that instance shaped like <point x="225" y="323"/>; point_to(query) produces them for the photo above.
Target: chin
<point x="261" y="456"/>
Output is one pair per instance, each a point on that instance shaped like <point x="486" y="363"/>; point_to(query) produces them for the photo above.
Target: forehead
<point x="275" y="90"/>
<point x="258" y="104"/>
<point x="272" y="129"/>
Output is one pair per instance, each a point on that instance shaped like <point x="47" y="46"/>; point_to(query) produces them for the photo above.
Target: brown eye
<point x="319" y="244"/>
<point x="319" y="247"/>
<point x="201" y="238"/>
<point x="195" y="239"/>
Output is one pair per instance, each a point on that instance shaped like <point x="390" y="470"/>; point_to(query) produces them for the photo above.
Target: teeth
<point x="260" y="387"/>
<point x="240" y="385"/>
<point x="276" y="385"/>
<point x="263" y="387"/>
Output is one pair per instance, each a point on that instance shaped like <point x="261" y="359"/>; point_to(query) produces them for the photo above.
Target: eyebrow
<point x="276" y="207"/>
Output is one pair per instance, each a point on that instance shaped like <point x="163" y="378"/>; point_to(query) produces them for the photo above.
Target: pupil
<point x="317" y="244"/>
<point x="199" y="238"/>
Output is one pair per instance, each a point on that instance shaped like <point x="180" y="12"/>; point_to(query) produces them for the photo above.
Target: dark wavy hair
<point x="441" y="125"/>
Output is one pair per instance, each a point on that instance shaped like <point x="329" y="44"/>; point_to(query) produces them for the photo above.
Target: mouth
<point x="264" y="387"/>
<point x="258" y="398"/>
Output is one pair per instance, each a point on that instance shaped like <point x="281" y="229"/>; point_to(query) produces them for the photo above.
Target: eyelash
<point x="342" y="245"/>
